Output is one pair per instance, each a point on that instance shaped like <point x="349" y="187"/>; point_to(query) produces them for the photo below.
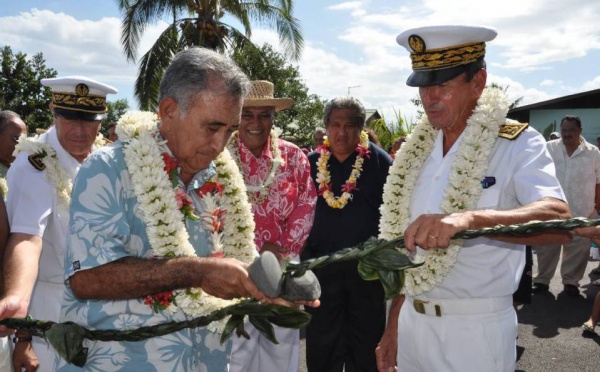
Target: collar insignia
<point x="36" y="161"/>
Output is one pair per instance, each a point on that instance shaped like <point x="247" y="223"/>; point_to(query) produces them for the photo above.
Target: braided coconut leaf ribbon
<point x="378" y="259"/>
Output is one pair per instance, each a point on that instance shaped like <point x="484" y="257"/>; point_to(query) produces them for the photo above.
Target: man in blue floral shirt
<point x="115" y="279"/>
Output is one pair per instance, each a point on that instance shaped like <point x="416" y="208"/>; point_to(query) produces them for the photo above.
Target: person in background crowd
<point x="373" y="136"/>
<point x="38" y="201"/>
<point x="318" y="137"/>
<point x="463" y="167"/>
<point x="349" y="173"/>
<point x="11" y="128"/>
<point x="589" y="327"/>
<point x="112" y="134"/>
<point x="283" y="197"/>
<point x="396" y="146"/>
<point x="554" y="136"/>
<point x="577" y="165"/>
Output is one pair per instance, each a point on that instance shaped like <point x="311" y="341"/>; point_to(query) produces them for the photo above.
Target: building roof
<point x="584" y="100"/>
<point x="372" y="114"/>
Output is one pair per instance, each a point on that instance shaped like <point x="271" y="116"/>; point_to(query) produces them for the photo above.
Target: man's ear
<point x="167" y="108"/>
<point x="481" y="78"/>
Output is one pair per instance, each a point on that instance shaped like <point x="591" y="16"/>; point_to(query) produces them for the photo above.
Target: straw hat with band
<point x="79" y="97"/>
<point x="440" y="53"/>
<point x="261" y="94"/>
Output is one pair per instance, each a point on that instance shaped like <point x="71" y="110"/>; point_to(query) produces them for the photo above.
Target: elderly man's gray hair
<point x="197" y="69"/>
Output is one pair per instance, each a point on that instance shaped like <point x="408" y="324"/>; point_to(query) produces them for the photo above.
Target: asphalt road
<point x="550" y="336"/>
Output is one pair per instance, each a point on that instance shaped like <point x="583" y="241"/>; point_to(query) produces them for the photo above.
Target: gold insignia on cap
<point x="36" y="161"/>
<point x="512" y="130"/>
<point x="82" y="90"/>
<point x="417" y="44"/>
<point x="440" y="58"/>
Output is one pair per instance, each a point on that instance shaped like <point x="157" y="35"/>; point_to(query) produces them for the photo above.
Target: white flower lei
<point x="276" y="163"/>
<point x="158" y="208"/>
<point x="55" y="172"/>
<point x="461" y="193"/>
<point x="324" y="177"/>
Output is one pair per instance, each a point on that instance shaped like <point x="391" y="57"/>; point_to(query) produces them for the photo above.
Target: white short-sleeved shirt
<point x="578" y="175"/>
<point x="523" y="172"/>
<point x="33" y="208"/>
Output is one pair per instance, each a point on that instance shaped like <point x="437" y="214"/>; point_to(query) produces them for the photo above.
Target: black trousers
<point x="346" y="328"/>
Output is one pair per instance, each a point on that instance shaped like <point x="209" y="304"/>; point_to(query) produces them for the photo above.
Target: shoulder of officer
<point x="512" y="129"/>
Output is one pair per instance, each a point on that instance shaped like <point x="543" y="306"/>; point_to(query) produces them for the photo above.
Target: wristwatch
<point x="21" y="339"/>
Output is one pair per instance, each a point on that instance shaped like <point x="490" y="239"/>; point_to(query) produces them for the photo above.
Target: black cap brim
<point x="79" y="115"/>
<point x="434" y="77"/>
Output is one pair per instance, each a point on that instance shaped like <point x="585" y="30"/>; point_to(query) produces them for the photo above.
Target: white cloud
<point x="549" y="83"/>
<point x="534" y="36"/>
<point x="76" y="47"/>
<point x="592" y="84"/>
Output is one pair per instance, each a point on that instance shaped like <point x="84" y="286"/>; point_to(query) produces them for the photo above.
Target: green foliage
<point x="548" y="130"/>
<point x="199" y="23"/>
<point x="21" y="90"/>
<point x="115" y="110"/>
<point x="299" y="121"/>
<point x="389" y="131"/>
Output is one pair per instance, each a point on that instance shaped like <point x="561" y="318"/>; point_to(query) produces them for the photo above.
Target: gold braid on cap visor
<point x="90" y="103"/>
<point x="437" y="59"/>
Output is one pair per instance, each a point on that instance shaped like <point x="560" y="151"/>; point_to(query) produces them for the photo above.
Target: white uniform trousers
<point x="258" y="354"/>
<point x="575" y="255"/>
<point x="5" y="354"/>
<point x="465" y="342"/>
<point x="45" y="305"/>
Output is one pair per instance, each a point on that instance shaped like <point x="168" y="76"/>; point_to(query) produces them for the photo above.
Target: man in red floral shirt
<point x="283" y="197"/>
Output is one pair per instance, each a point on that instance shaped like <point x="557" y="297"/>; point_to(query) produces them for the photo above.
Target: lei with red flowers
<point x="324" y="177"/>
<point x="163" y="207"/>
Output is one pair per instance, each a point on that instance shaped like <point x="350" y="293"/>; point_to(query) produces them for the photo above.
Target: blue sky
<point x="544" y="49"/>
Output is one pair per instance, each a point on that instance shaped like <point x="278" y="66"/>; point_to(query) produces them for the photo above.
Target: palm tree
<point x="199" y="23"/>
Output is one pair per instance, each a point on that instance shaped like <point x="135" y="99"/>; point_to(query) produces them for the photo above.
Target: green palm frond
<point x="152" y="67"/>
<point x="200" y="23"/>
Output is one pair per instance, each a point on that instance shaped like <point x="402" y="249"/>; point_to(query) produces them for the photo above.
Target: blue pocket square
<point x="488" y="182"/>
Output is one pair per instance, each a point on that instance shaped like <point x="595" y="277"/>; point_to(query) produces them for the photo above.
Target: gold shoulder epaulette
<point x="512" y="130"/>
<point x="36" y="161"/>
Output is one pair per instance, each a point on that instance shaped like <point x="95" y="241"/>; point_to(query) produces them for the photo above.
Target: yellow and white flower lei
<point x="276" y="163"/>
<point x="55" y="173"/>
<point x="166" y="230"/>
<point x="3" y="187"/>
<point x="324" y="177"/>
<point x="461" y="193"/>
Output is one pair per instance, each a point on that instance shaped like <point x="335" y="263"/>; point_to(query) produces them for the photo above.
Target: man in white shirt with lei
<point x="463" y="167"/>
<point x="40" y="181"/>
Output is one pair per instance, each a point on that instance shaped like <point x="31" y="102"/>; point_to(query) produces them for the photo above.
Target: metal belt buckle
<point x="419" y="306"/>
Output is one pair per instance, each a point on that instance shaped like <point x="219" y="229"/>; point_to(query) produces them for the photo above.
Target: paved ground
<point x="550" y="337"/>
